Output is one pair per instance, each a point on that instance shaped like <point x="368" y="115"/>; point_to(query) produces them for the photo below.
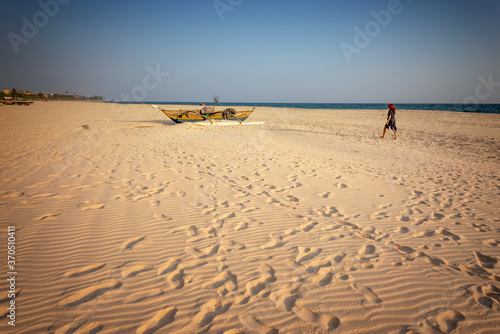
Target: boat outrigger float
<point x="190" y="116"/>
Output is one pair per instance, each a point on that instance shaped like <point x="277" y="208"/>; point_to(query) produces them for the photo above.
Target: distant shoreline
<point x="469" y="108"/>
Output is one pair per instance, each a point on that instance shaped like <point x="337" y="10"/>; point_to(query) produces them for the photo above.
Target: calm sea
<point x="476" y="108"/>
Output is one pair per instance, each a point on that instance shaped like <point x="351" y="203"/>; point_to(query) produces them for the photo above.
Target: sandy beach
<point x="308" y="223"/>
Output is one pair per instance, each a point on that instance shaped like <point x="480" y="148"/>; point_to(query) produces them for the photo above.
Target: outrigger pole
<point x="156" y="107"/>
<point x="216" y="100"/>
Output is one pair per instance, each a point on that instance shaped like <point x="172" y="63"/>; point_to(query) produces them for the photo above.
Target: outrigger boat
<point x="190" y="116"/>
<point x="181" y="116"/>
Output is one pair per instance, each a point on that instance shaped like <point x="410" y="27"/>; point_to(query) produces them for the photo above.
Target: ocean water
<point x="475" y="108"/>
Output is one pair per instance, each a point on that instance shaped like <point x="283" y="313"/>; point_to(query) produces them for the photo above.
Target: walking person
<point x="391" y="122"/>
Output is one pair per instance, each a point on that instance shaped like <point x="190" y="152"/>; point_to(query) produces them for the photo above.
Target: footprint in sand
<point x="226" y="216"/>
<point x="125" y="195"/>
<point x="241" y="299"/>
<point x="342" y="276"/>
<point x="200" y="254"/>
<point x="253" y="324"/>
<point x="329" y="322"/>
<point x="228" y="245"/>
<point x="226" y="278"/>
<point x="255" y="287"/>
<point x="492" y="242"/>
<point x="424" y="234"/>
<point x="223" y="204"/>
<point x="404" y="218"/>
<point x="367" y="293"/>
<point x="307" y="253"/>
<point x="446" y="232"/>
<point x="367" y="252"/>
<point x="139" y="197"/>
<point x="192" y="231"/>
<point x="315" y="266"/>
<point x="476" y="270"/>
<point x="161" y="319"/>
<point x="208" y="312"/>
<point x="292" y="231"/>
<point x="160" y="216"/>
<point x="487" y="296"/>
<point x="379" y="215"/>
<point x="276" y="241"/>
<point x="131" y="242"/>
<point x="298" y="270"/>
<point x="479" y="227"/>
<point x="194" y="252"/>
<point x="405" y="251"/>
<point x="89" y="293"/>
<point x="285" y="298"/>
<point x="440" y="321"/>
<point x="485" y="261"/>
<point x="351" y="226"/>
<point x="211" y="250"/>
<point x="267" y="273"/>
<point x="324" y="194"/>
<point x="337" y="258"/>
<point x="402" y="229"/>
<point x="306" y="227"/>
<point x="323" y="277"/>
<point x="241" y="226"/>
<point x="434" y="260"/>
<point x="292" y="198"/>
<point x="169" y="266"/>
<point x="273" y="201"/>
<point x="176" y="279"/>
<point x="437" y="216"/>
<point x="208" y="211"/>
<point x="331" y="210"/>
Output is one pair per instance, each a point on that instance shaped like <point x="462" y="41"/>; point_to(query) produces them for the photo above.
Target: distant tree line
<point x="22" y="95"/>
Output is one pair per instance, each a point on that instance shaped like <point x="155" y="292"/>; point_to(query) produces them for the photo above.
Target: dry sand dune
<point x="308" y="223"/>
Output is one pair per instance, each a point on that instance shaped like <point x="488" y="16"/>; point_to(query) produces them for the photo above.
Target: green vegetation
<point x="27" y="96"/>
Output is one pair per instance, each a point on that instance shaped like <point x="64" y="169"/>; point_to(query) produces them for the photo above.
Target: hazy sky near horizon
<point x="414" y="51"/>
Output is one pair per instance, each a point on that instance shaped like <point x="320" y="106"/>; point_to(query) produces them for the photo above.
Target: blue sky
<point x="427" y="51"/>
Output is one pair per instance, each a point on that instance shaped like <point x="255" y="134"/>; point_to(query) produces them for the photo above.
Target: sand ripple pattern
<point x="298" y="225"/>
